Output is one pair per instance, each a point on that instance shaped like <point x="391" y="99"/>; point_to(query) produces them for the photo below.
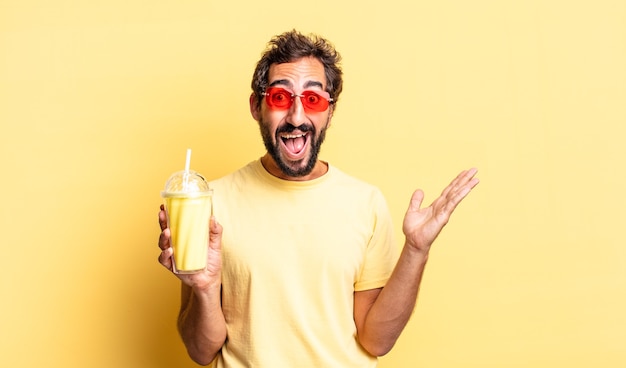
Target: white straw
<point x="186" y="173"/>
<point x="188" y="160"/>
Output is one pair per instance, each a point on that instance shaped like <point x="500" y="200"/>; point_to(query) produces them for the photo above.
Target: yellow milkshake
<point x="188" y="208"/>
<point x="188" y="220"/>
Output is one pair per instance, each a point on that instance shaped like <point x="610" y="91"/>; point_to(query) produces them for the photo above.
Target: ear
<point x="255" y="108"/>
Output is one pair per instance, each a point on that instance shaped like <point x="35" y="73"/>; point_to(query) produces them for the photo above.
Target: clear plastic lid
<point x="185" y="183"/>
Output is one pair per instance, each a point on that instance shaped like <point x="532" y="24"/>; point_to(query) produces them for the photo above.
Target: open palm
<point x="421" y="226"/>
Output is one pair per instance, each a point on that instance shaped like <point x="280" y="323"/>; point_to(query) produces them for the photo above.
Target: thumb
<point x="215" y="234"/>
<point x="416" y="201"/>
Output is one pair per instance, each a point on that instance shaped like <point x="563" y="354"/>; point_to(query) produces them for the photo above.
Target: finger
<point x="416" y="201"/>
<point x="469" y="179"/>
<point x="165" y="258"/>
<point x="162" y="218"/>
<point x="453" y="184"/>
<point x="465" y="181"/>
<point x="215" y="234"/>
<point x="164" y="239"/>
<point x="459" y="182"/>
<point x="458" y="195"/>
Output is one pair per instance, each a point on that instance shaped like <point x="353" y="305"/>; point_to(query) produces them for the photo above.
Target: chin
<point x="297" y="169"/>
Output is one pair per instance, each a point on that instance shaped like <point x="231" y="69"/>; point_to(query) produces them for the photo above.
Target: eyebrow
<point x="287" y="83"/>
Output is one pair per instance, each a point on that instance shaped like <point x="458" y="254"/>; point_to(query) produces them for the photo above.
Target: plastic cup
<point x="188" y="205"/>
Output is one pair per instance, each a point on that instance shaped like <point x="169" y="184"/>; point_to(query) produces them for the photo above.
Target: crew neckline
<point x="292" y="184"/>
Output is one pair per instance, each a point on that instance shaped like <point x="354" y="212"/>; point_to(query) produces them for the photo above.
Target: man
<point x="303" y="273"/>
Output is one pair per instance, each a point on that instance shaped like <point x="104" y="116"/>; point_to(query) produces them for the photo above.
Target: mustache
<point x="288" y="128"/>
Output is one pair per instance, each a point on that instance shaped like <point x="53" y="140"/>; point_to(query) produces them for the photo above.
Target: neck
<point x="271" y="167"/>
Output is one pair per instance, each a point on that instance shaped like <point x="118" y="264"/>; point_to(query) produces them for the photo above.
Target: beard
<point x="297" y="168"/>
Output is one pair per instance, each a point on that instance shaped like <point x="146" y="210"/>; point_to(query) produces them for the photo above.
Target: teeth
<point x="292" y="136"/>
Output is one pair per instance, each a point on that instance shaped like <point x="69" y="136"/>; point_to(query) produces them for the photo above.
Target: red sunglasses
<point x="281" y="99"/>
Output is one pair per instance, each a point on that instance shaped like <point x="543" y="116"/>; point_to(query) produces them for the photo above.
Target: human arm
<point x="201" y="322"/>
<point x="381" y="314"/>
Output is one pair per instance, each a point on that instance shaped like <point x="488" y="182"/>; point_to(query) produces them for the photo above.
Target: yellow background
<point x="100" y="99"/>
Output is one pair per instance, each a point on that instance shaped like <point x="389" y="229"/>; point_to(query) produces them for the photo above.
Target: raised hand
<point x="421" y="226"/>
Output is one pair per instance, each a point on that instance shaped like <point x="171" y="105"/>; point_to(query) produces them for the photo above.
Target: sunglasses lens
<point x="314" y="102"/>
<point x="278" y="98"/>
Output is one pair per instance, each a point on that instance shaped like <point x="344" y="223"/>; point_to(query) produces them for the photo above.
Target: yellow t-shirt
<point x="294" y="253"/>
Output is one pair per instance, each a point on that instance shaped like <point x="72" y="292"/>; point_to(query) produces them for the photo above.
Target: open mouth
<point x="295" y="144"/>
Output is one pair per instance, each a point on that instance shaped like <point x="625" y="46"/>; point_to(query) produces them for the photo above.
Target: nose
<point x="296" y="114"/>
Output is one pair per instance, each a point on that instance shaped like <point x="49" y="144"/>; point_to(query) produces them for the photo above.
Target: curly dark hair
<point x="291" y="46"/>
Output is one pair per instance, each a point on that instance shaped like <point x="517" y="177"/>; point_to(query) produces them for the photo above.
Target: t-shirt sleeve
<point x="380" y="254"/>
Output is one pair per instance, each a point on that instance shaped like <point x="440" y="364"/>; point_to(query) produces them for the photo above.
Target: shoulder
<point x="342" y="179"/>
<point x="356" y="189"/>
<point x="238" y="177"/>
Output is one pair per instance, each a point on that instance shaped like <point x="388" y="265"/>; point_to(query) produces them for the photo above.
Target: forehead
<point x="304" y="73"/>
